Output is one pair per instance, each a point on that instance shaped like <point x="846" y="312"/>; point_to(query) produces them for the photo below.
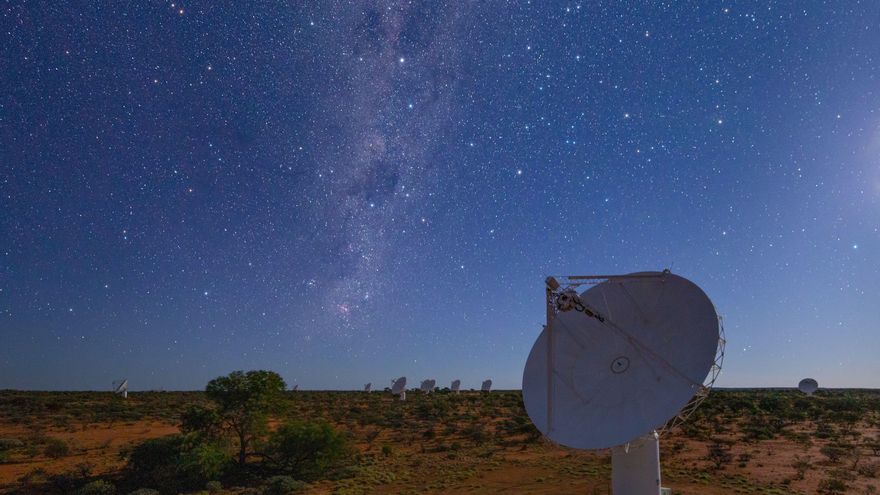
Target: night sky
<point x="350" y="192"/>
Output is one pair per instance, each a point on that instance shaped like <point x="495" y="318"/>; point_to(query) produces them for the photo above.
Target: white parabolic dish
<point x="616" y="380"/>
<point x="808" y="386"/>
<point x="398" y="386"/>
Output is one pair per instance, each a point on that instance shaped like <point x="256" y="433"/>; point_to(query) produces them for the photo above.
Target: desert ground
<point x="739" y="441"/>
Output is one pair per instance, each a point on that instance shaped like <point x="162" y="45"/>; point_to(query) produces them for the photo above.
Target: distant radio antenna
<point x="368" y="387"/>
<point x="486" y="386"/>
<point x="808" y="386"/>
<point x="427" y="386"/>
<point x="456" y="385"/>
<point x="295" y="388"/>
<point x="121" y="387"/>
<point x="614" y="363"/>
<point x="398" y="387"/>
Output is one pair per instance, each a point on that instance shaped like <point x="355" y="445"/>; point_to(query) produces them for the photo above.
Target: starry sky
<point x="353" y="191"/>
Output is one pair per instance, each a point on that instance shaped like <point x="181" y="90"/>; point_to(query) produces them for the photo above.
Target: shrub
<point x="307" y="450"/>
<point x="214" y="487"/>
<point x="801" y="465"/>
<point x="476" y="433"/>
<point x="869" y="469"/>
<point x="176" y="463"/>
<point x="205" y="460"/>
<point x="836" y="451"/>
<point x="719" y="454"/>
<point x="84" y="469"/>
<point x="64" y="482"/>
<point x="56" y="448"/>
<point x="35" y="476"/>
<point x="832" y="486"/>
<point x="97" y="487"/>
<point x="371" y="435"/>
<point x="10" y="444"/>
<point x="282" y="485"/>
<point x="145" y="491"/>
<point x="435" y="408"/>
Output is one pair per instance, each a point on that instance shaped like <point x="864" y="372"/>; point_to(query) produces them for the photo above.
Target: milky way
<point x="378" y="129"/>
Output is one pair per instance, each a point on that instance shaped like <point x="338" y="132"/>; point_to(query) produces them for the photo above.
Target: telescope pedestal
<point x="635" y="467"/>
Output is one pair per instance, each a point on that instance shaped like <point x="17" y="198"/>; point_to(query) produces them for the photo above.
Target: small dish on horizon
<point x="808" y="386"/>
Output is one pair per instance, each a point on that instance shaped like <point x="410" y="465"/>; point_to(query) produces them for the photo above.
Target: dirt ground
<point x="472" y="449"/>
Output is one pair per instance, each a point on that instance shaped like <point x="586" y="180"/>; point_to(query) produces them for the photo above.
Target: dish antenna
<point x="427" y="386"/>
<point x="398" y="387"/>
<point x="808" y="386"/>
<point x="295" y="388"/>
<point x="121" y="387"/>
<point x="368" y="387"/>
<point x="456" y="385"/>
<point x="486" y="386"/>
<point x="615" y="362"/>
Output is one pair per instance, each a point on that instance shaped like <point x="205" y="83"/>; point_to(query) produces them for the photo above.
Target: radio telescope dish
<point x="368" y="387"/>
<point x="398" y="387"/>
<point x="486" y="386"/>
<point x="456" y="385"/>
<point x="294" y="388"/>
<point x="427" y="386"/>
<point x="121" y="387"/>
<point x="616" y="362"/>
<point x="808" y="386"/>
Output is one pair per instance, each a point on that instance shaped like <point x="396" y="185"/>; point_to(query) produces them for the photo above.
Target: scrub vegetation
<point x="247" y="434"/>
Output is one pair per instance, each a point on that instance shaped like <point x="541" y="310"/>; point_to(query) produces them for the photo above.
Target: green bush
<point x="176" y="463"/>
<point x="198" y="418"/>
<point x="719" y="454"/>
<point x="10" y="444"/>
<point x="97" y="487"/>
<point x="214" y="487"/>
<point x="836" y="451"/>
<point x="282" y="485"/>
<point x="206" y="460"/>
<point x="801" y="465"/>
<point x="56" y="448"/>
<point x="435" y="408"/>
<point x="307" y="450"/>
<point x="832" y="486"/>
<point x="145" y="491"/>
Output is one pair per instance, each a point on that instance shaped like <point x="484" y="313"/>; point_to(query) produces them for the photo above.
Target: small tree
<point x="244" y="401"/>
